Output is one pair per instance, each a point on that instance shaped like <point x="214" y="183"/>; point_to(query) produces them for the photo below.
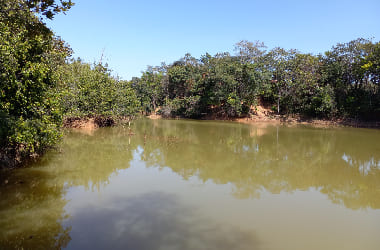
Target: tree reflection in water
<point x="342" y="163"/>
<point x="277" y="159"/>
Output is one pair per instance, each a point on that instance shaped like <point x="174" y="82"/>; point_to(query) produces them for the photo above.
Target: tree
<point x="278" y="62"/>
<point x="91" y="90"/>
<point x="372" y="64"/>
<point x="344" y="68"/>
<point x="48" y="8"/>
<point x="343" y="82"/>
<point x="250" y="52"/>
<point x="29" y="56"/>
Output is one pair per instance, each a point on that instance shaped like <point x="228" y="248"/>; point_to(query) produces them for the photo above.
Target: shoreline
<point x="90" y="124"/>
<point x="289" y="120"/>
<point x="314" y="122"/>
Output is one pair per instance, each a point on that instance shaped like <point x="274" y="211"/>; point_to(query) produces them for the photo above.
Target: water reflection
<point x="276" y="159"/>
<point x="89" y="161"/>
<point x="154" y="221"/>
<point x="250" y="161"/>
<point x="32" y="211"/>
<point x="32" y="204"/>
<point x="365" y="167"/>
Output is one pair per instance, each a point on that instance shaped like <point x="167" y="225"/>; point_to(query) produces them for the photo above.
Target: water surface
<point x="176" y="184"/>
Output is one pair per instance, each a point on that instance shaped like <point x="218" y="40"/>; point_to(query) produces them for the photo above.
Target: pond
<point x="183" y="184"/>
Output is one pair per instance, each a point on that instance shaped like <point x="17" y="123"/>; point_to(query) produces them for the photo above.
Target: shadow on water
<point x="32" y="211"/>
<point x="154" y="221"/>
<point x="32" y="204"/>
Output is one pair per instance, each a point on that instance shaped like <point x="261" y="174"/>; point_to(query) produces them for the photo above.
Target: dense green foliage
<point x="344" y="82"/>
<point x="89" y="91"/>
<point x="29" y="57"/>
<point x="39" y="86"/>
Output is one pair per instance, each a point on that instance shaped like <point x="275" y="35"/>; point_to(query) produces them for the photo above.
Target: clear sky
<point x="135" y="34"/>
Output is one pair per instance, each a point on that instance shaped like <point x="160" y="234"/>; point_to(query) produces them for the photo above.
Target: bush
<point x="92" y="91"/>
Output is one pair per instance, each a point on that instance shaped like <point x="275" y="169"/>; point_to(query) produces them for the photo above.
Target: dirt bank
<point x="309" y="121"/>
<point x="154" y="116"/>
<point x="262" y="114"/>
<point x="88" y="123"/>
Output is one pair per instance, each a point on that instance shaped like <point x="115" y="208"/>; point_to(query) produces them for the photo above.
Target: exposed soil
<point x="88" y="123"/>
<point x="294" y="120"/>
<point x="80" y="123"/>
<point x="263" y="114"/>
<point x="154" y="116"/>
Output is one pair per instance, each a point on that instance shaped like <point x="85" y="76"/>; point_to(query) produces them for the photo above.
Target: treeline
<point x="343" y="82"/>
<point x="40" y="84"/>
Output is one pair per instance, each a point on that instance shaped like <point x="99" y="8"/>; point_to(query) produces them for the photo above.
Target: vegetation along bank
<point x="43" y="87"/>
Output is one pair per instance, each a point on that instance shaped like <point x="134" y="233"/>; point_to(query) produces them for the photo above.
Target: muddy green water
<point x="176" y="184"/>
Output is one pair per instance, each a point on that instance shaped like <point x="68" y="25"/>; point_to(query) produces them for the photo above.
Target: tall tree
<point x="250" y="52"/>
<point x="29" y="56"/>
<point x="343" y="68"/>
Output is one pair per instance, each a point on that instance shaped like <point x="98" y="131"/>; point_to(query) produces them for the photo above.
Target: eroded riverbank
<point x="290" y="120"/>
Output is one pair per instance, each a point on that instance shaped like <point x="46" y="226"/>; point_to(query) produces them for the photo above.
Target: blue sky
<point x="135" y="34"/>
